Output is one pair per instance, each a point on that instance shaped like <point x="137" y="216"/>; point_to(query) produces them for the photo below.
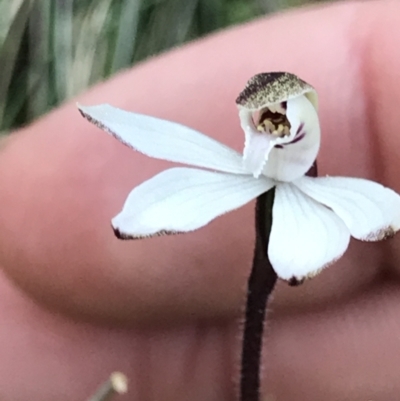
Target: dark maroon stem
<point x="260" y="285"/>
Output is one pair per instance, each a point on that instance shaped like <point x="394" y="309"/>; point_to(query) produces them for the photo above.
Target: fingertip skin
<point x="62" y="179"/>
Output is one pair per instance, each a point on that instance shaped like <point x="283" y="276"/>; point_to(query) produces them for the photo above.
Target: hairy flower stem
<point x="260" y="285"/>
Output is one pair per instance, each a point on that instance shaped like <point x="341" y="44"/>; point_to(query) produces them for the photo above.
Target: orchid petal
<point x="305" y="235"/>
<point x="370" y="211"/>
<point x="299" y="150"/>
<point x="184" y="199"/>
<point x="163" y="139"/>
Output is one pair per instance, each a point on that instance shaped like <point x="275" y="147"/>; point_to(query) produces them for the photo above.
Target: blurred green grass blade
<point x="8" y="11"/>
<point x="22" y="96"/>
<point x="126" y="36"/>
<point x="185" y="11"/>
<point x="167" y="26"/>
<point x="210" y="15"/>
<point x="39" y="58"/>
<point x="91" y="48"/>
<point x="241" y="11"/>
<point x="9" y="52"/>
<point x="63" y="13"/>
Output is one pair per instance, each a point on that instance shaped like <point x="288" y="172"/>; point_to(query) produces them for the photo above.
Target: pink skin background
<point x="76" y="303"/>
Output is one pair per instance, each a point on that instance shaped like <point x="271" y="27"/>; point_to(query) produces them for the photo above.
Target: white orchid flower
<point x="313" y="217"/>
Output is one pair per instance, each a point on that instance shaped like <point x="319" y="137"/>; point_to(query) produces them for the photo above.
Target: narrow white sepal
<point x="257" y="145"/>
<point x="305" y="236"/>
<point x="184" y="199"/>
<point x="370" y="211"/>
<point x="163" y="139"/>
<point x="256" y="151"/>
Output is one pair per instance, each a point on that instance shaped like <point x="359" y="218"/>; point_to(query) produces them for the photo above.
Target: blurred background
<point x="51" y="50"/>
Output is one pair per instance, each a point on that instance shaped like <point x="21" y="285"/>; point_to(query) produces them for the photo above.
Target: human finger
<point x="62" y="179"/>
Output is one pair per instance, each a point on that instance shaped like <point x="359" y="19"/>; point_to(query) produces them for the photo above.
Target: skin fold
<point x="76" y="303"/>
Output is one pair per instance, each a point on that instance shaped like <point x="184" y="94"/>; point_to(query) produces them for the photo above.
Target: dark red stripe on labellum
<point x="301" y="126"/>
<point x="300" y="134"/>
<point x="296" y="138"/>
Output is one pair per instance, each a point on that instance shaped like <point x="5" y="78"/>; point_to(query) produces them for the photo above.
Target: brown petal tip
<point x="123" y="236"/>
<point x="120" y="235"/>
<point x="383" y="234"/>
<point x="294" y="281"/>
